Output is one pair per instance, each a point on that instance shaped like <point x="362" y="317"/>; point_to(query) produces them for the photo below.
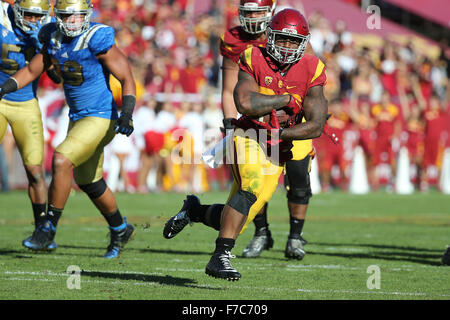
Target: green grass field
<point x="405" y="236"/>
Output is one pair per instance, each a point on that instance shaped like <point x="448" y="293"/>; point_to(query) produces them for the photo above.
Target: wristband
<point x="9" y="85"/>
<point x="128" y="102"/>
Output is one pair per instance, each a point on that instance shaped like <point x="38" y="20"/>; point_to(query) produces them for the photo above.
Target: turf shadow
<point x="180" y="252"/>
<point x="163" y="280"/>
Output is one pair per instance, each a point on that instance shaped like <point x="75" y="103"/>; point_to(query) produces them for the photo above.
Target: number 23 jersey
<point x="85" y="79"/>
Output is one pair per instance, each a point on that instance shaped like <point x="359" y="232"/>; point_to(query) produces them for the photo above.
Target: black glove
<point x="227" y="125"/>
<point x="54" y="76"/>
<point x="124" y="124"/>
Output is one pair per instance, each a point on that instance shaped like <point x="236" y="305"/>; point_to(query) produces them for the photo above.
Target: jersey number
<point x="71" y="71"/>
<point x="10" y="66"/>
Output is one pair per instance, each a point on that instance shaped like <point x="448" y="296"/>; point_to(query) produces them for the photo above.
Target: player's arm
<point x="25" y="75"/>
<point x="315" y="107"/>
<point x="117" y="64"/>
<point x="250" y="102"/>
<point x="230" y="71"/>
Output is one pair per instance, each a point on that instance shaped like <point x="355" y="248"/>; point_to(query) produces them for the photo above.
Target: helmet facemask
<point x="20" y="8"/>
<point x="254" y="25"/>
<point x="71" y="20"/>
<point x="282" y="54"/>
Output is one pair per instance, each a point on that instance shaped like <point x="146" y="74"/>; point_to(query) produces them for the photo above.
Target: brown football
<point x="283" y="118"/>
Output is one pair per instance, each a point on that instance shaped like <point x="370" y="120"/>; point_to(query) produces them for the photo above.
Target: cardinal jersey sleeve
<point x="231" y="46"/>
<point x="317" y="72"/>
<point x="245" y="61"/>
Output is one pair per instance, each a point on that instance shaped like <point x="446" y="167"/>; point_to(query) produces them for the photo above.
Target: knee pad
<point x="297" y="181"/>
<point x="95" y="189"/>
<point x="299" y="195"/>
<point x="242" y="201"/>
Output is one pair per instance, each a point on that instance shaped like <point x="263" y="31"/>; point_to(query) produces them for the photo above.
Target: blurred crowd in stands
<point x="382" y="99"/>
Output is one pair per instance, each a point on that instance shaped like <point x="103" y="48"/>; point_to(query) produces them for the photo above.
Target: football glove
<point x="227" y="125"/>
<point x="33" y="35"/>
<point x="273" y="129"/>
<point x="124" y="124"/>
<point x="293" y="107"/>
<point x="54" y="76"/>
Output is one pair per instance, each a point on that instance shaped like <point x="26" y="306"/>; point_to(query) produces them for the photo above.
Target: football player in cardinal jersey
<point x="20" y="25"/>
<point x="84" y="55"/>
<point x="254" y="16"/>
<point x="278" y="80"/>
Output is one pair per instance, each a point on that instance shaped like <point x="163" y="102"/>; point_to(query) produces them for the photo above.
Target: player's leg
<point x="3" y="161"/>
<point x="262" y="238"/>
<point x="257" y="183"/>
<point x="89" y="177"/>
<point x="27" y="129"/>
<point x="298" y="194"/>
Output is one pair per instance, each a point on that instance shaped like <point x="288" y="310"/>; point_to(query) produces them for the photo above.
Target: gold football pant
<point x="253" y="171"/>
<point x="83" y="146"/>
<point x="26" y="125"/>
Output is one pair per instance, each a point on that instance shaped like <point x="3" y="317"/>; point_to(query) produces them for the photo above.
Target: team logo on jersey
<point x="280" y="84"/>
<point x="268" y="80"/>
<point x="4" y="33"/>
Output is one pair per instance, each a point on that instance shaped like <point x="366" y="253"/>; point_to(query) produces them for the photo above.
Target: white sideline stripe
<point x="368" y="292"/>
<point x="250" y="288"/>
<point x="140" y="283"/>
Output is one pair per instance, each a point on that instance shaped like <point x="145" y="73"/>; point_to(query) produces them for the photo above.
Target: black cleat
<point x="303" y="240"/>
<point x="446" y="257"/>
<point x="42" y="238"/>
<point x="219" y="266"/>
<point x="119" y="237"/>
<point x="181" y="219"/>
<point x="262" y="240"/>
<point x="294" y="249"/>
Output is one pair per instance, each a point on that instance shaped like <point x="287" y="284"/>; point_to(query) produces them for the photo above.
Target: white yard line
<point x="142" y="283"/>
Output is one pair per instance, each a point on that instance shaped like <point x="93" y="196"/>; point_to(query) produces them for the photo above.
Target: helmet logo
<point x="292" y="31"/>
<point x="251" y="5"/>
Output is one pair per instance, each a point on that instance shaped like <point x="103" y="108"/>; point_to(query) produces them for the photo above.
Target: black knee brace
<point x="297" y="181"/>
<point x="95" y="189"/>
<point x="242" y="201"/>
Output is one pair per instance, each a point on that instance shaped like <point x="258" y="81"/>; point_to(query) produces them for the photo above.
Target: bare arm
<point x="117" y="63"/>
<point x="31" y="71"/>
<point x="230" y="72"/>
<point x="250" y="102"/>
<point x="315" y="107"/>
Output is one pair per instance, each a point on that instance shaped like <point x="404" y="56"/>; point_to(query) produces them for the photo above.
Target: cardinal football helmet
<point x="256" y="25"/>
<point x="20" y="7"/>
<point x="292" y="24"/>
<point x="64" y="8"/>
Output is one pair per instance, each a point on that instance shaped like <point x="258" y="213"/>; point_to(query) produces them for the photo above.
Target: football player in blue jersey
<point x="84" y="55"/>
<point x="19" y="25"/>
